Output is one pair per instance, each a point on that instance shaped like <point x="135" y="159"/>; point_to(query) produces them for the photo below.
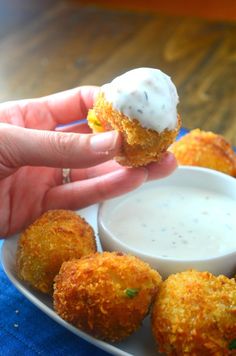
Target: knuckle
<point x="63" y="143"/>
<point x="4" y="133"/>
<point x="8" y="157"/>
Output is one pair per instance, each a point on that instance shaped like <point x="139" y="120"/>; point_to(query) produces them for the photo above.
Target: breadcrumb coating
<point x="140" y="145"/>
<point x="205" y="149"/>
<point x="105" y="294"/>
<point x="55" y="237"/>
<point x="195" y="314"/>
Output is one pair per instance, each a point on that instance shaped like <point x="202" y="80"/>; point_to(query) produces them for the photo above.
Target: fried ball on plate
<point x="205" y="149"/>
<point x="105" y="294"/>
<point x="141" y="105"/>
<point x="55" y="237"/>
<point x="194" y="314"/>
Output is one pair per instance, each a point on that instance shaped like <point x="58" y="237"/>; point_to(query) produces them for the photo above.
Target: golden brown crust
<point x="195" y="314"/>
<point x="140" y="146"/>
<point x="55" y="237"/>
<point x="205" y="149"/>
<point x="93" y="294"/>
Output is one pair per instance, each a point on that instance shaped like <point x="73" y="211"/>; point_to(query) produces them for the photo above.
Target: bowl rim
<point x="133" y="250"/>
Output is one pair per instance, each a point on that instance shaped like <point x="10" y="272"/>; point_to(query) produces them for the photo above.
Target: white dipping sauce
<point x="145" y="94"/>
<point x="182" y="223"/>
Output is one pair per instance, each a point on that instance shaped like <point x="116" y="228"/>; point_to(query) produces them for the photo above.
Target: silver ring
<point x="66" y="175"/>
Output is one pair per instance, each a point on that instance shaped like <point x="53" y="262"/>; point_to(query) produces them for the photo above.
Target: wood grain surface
<point x="49" y="46"/>
<point x="209" y="9"/>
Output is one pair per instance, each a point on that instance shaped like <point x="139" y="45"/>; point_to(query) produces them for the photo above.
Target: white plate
<point x="140" y="343"/>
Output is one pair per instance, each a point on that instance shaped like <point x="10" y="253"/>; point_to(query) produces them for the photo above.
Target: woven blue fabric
<point x="26" y="331"/>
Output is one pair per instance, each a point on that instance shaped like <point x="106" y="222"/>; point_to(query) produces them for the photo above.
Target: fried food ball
<point x="140" y="145"/>
<point x="194" y="314"/>
<point x="105" y="294"/>
<point x="142" y="105"/>
<point x="205" y="149"/>
<point x="55" y="237"/>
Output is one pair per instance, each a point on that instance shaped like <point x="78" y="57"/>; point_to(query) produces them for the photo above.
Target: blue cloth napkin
<point x="25" y="330"/>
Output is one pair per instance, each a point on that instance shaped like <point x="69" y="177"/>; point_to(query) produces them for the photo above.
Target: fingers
<point x="156" y="170"/>
<point x="50" y="111"/>
<point x="105" y="181"/>
<point x="26" y="147"/>
<point x="162" y="168"/>
<point x="92" y="172"/>
<point x="70" y="105"/>
<point x="80" y="194"/>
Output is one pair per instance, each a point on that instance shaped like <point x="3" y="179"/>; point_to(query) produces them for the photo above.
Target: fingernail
<point x="163" y="157"/>
<point x="104" y="142"/>
<point x="167" y="157"/>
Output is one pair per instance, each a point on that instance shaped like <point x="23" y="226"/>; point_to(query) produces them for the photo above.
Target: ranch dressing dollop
<point x="145" y="94"/>
<point x="182" y="223"/>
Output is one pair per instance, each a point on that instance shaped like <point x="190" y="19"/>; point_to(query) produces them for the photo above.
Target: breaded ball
<point x="55" y="237"/>
<point x="140" y="145"/>
<point x="205" y="149"/>
<point x="142" y="105"/>
<point x="194" y="314"/>
<point x="105" y="294"/>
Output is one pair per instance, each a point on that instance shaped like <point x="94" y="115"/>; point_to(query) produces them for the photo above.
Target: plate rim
<point x="105" y="346"/>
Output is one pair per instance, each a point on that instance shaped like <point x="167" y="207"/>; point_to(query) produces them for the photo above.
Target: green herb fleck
<point x="131" y="292"/>
<point x="97" y="123"/>
<point x="232" y="344"/>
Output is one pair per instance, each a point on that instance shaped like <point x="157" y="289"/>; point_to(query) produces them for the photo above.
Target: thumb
<point x="27" y="147"/>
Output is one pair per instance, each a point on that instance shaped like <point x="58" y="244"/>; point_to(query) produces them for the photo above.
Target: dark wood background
<point x="48" y="46"/>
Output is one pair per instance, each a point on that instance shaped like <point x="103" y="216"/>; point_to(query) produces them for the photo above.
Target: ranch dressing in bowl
<point x="176" y="222"/>
<point x="186" y="220"/>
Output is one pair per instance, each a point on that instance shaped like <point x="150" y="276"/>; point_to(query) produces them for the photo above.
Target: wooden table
<point x="48" y="46"/>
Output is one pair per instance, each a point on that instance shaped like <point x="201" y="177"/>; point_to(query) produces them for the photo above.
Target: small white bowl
<point x="184" y="176"/>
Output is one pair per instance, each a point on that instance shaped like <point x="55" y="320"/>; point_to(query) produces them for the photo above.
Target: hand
<point x="33" y="151"/>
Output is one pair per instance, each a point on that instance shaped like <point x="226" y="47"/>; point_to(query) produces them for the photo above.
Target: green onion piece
<point x="131" y="292"/>
<point x="232" y="344"/>
<point x="97" y="123"/>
